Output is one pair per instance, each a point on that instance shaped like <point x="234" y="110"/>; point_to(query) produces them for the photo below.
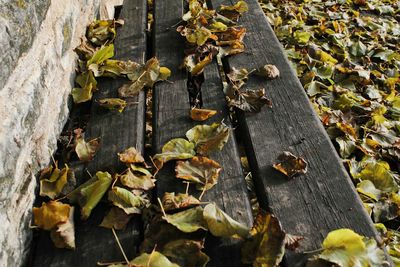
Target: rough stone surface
<point x="37" y="38"/>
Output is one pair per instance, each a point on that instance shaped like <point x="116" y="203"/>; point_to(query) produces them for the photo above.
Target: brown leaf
<point x="137" y="178"/>
<point x="250" y="100"/>
<point x="291" y="165"/>
<point x="292" y="242"/>
<point x="170" y="201"/>
<point x="198" y="114"/>
<point x="116" y="104"/>
<point x="116" y="218"/>
<point x="131" y="155"/>
<point x="200" y="170"/>
<point x="268" y="71"/>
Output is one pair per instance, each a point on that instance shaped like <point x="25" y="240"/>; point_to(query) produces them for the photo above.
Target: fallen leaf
<point x="208" y="138"/>
<point x="177" y="148"/>
<point x="154" y="259"/>
<point x="186" y="253"/>
<point x="200" y="170"/>
<point x="198" y="114"/>
<point x="113" y="104"/>
<point x="53" y="181"/>
<point x="126" y="200"/>
<point x="116" y="219"/>
<point x="235" y="11"/>
<point x="89" y="194"/>
<point x="170" y="201"/>
<point x="266" y="244"/>
<point x="250" y="100"/>
<point x="100" y="32"/>
<point x="87" y="84"/>
<point x="221" y="224"/>
<point x="63" y="235"/>
<point x="292" y="242"/>
<point x="50" y="214"/>
<point x="268" y="71"/>
<point x="137" y="178"/>
<point x="85" y="150"/>
<point x="131" y="155"/>
<point x="290" y="165"/>
<point x="187" y="221"/>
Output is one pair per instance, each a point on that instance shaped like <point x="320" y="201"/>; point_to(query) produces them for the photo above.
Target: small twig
<point x="155" y="166"/>
<point x="313" y="251"/>
<point x="54" y="161"/>
<point x="115" y="180"/>
<point x="161" y="206"/>
<point x="89" y="173"/>
<point x="176" y="24"/>
<point x="187" y="187"/>
<point x="120" y="246"/>
<point x="204" y="190"/>
<point x="151" y="254"/>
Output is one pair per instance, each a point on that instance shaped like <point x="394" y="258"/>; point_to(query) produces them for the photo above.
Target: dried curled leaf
<point x="170" y="201"/>
<point x="113" y="104"/>
<point x="194" y="66"/>
<point x="128" y="201"/>
<point x="268" y="71"/>
<point x="291" y="165"/>
<point x="54" y="182"/>
<point x="200" y="170"/>
<point x="187" y="221"/>
<point x="147" y="76"/>
<point x="85" y="150"/>
<point x="199" y="114"/>
<point x="177" y="148"/>
<point x="250" y="100"/>
<point x="131" y="155"/>
<point x="100" y="32"/>
<point x="198" y="35"/>
<point x="186" y="253"/>
<point x="115" y="218"/>
<point x="137" y="178"/>
<point x="63" y="235"/>
<point x="209" y="138"/>
<point x="266" y="244"/>
<point x="117" y="68"/>
<point x="221" y="224"/>
<point x="89" y="194"/>
<point x="50" y="214"/>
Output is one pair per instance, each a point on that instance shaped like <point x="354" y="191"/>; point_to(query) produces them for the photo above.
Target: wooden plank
<point x="313" y="204"/>
<point x="117" y="131"/>
<point x="171" y="120"/>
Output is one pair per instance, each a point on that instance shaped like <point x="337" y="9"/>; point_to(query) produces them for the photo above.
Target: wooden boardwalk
<point x="310" y="205"/>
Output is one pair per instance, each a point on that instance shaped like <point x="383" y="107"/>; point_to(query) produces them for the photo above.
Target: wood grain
<point x="313" y="204"/>
<point x="117" y="131"/>
<point x="171" y="120"/>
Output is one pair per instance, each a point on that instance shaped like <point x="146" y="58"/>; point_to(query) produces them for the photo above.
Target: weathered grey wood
<point x="313" y="204"/>
<point x="171" y="120"/>
<point x="117" y="131"/>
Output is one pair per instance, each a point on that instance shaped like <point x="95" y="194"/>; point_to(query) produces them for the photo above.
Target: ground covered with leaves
<point x="347" y="56"/>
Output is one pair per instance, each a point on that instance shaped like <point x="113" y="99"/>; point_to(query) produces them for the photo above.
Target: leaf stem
<point x="120" y="246"/>
<point x="161" y="206"/>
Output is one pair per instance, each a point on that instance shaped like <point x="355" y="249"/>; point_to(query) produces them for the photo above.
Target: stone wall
<point x="36" y="77"/>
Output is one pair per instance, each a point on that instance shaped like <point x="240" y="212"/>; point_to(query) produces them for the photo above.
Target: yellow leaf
<point x="51" y="214"/>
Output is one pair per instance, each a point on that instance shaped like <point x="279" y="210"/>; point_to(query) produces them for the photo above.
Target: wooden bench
<point x="311" y="205"/>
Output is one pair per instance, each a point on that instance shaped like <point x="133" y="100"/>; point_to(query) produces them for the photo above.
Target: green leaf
<point x="186" y="253"/>
<point x="126" y="200"/>
<point x="208" y="138"/>
<point x="187" y="221"/>
<point x="177" y="148"/>
<point x="87" y="84"/>
<point x="89" y="194"/>
<point x="346" y="146"/>
<point x="358" y="49"/>
<point x="202" y="171"/>
<point x="266" y="244"/>
<point x="113" y="104"/>
<point x="221" y="224"/>
<point x="155" y="259"/>
<point x="368" y="189"/>
<point x="104" y="53"/>
<point x="302" y="37"/>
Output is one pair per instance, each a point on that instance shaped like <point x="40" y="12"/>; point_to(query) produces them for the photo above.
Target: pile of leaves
<point x="346" y="54"/>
